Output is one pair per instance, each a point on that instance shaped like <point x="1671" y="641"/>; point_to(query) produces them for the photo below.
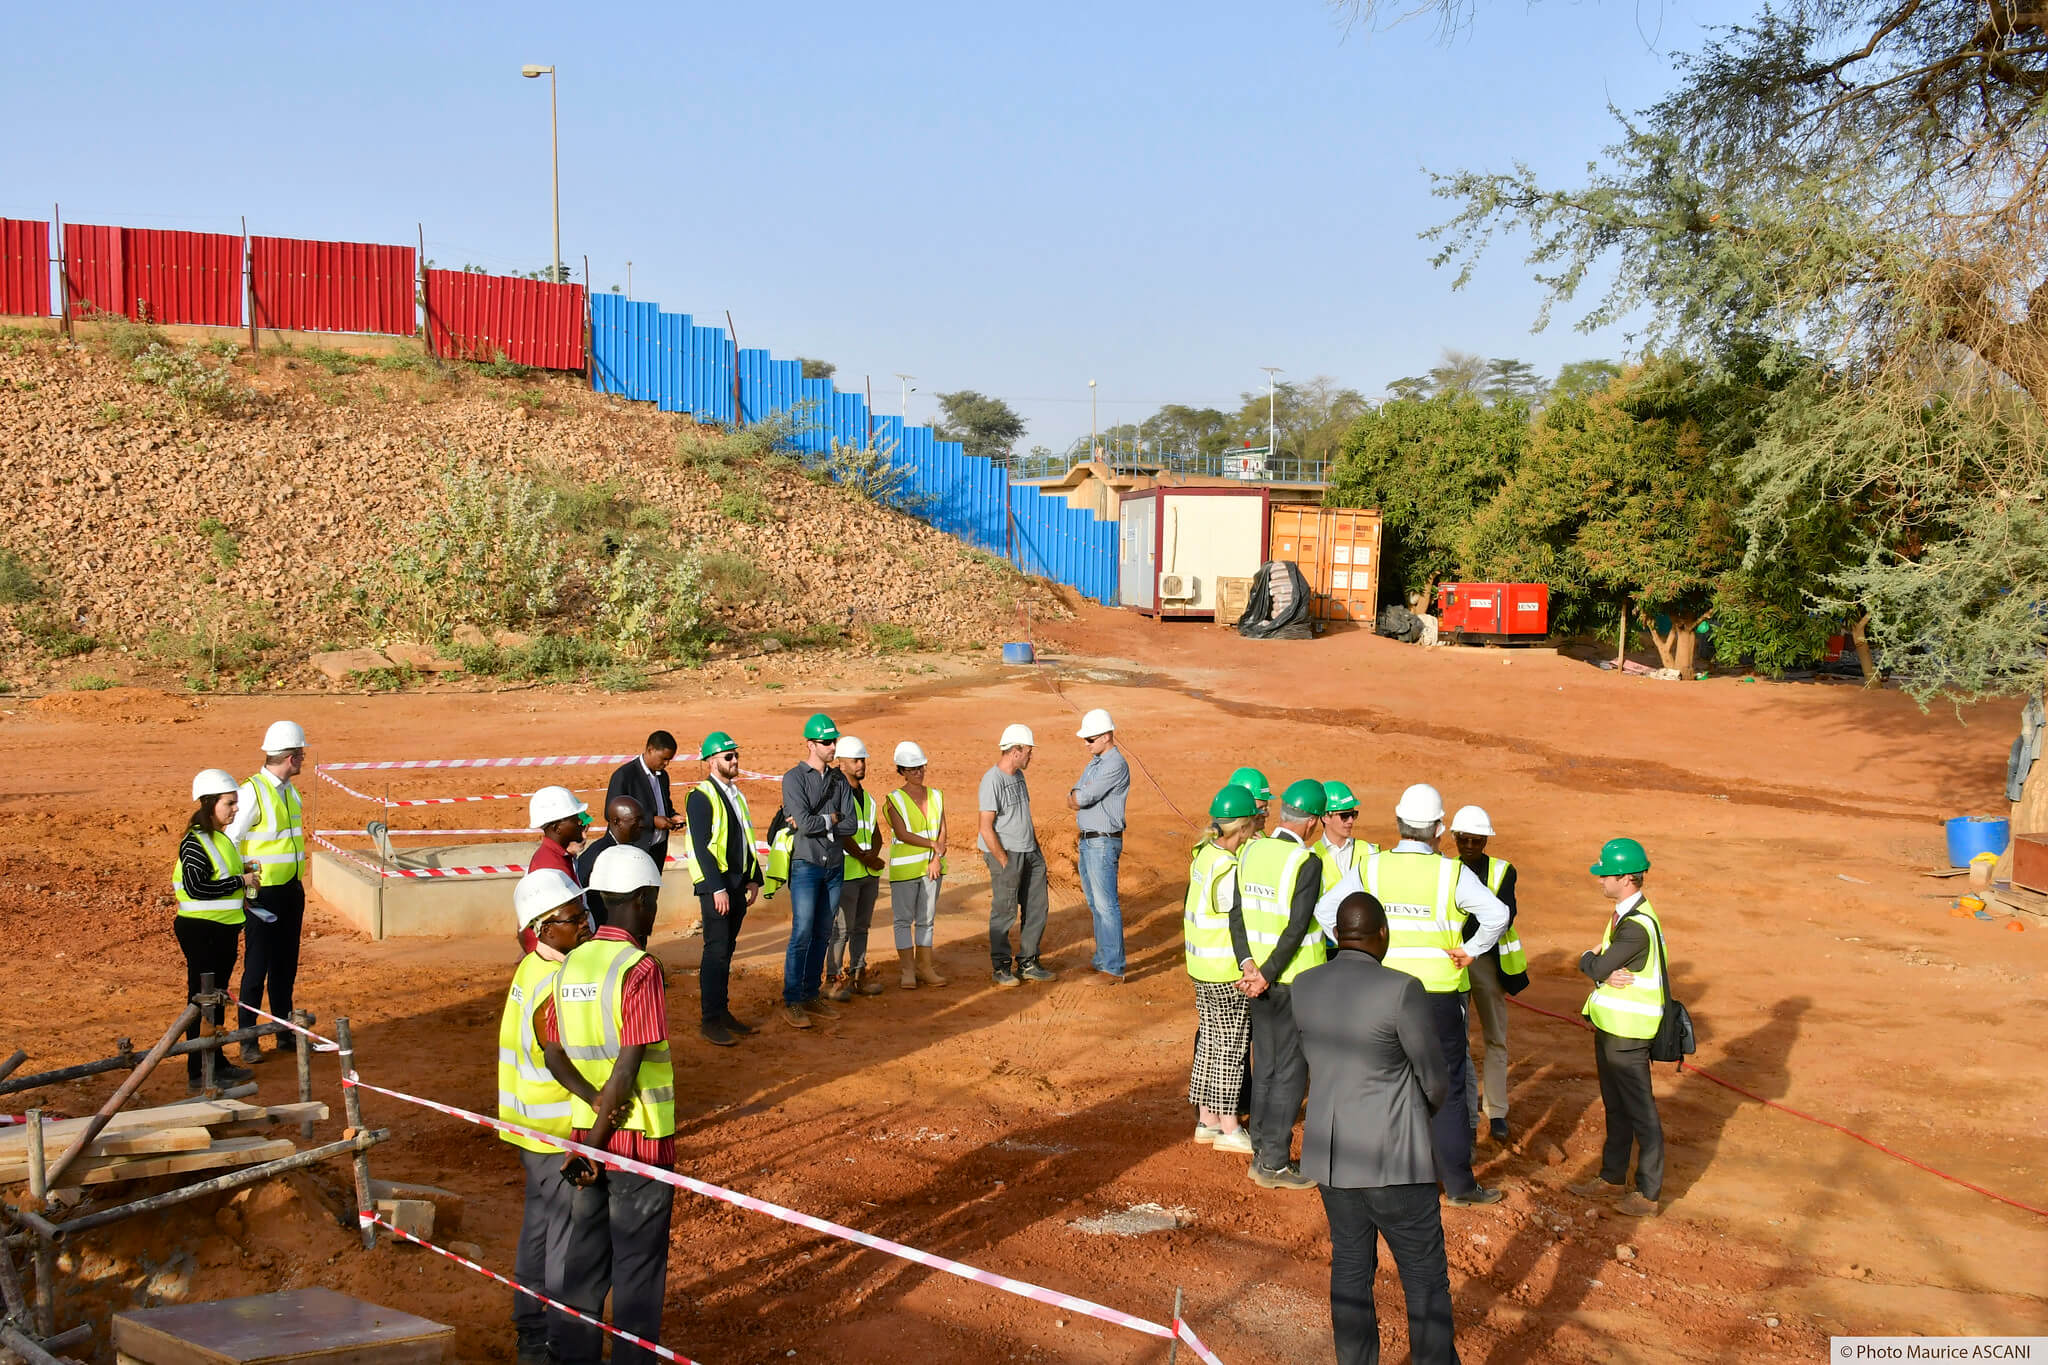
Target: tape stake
<point x="320" y="1043"/>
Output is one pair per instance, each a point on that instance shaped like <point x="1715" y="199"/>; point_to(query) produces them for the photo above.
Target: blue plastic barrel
<point x="1020" y="652"/>
<point x="1969" y="835"/>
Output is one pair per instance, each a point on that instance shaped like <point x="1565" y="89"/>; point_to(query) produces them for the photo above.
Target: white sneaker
<point x="1205" y="1135"/>
<point x="1237" y="1140"/>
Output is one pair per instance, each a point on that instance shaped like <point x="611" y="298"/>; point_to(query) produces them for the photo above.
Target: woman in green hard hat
<point x="1625" y="1008"/>
<point x="1223" y="1036"/>
<point x="1254" y="781"/>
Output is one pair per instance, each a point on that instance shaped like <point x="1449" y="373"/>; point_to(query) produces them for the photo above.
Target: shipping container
<point x="1174" y="544"/>
<point x="1338" y="552"/>
<point x="1494" y="610"/>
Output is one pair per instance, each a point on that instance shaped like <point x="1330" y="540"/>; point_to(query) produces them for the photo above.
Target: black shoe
<point x="735" y="1027"/>
<point x="1474" y="1197"/>
<point x="532" y="1351"/>
<point x="1286" y="1178"/>
<point x="1028" y="968"/>
<point x="715" y="1033"/>
<point x="1499" y="1129"/>
<point x="1005" y="977"/>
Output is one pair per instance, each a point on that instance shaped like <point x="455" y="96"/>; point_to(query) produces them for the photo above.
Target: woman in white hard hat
<point x="917" y="867"/>
<point x="210" y="883"/>
<point x="270" y="826"/>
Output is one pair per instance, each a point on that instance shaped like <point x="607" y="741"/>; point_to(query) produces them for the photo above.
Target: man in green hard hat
<point x="1625" y="1009"/>
<point x="819" y="806"/>
<point x="1273" y="932"/>
<point x="726" y="876"/>
<point x="1254" y="781"/>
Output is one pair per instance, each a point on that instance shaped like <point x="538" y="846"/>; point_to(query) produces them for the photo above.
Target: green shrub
<point x="227" y="636"/>
<point x="731" y="577"/>
<point x="112" y="414"/>
<point x="489" y="554"/>
<point x="18" y="581"/>
<point x="746" y="503"/>
<point x="891" y="638"/>
<point x="394" y="679"/>
<point x="53" y="634"/>
<point x="415" y="360"/>
<point x="188" y="378"/>
<point x="91" y="682"/>
<point x="333" y="361"/>
<point x="500" y="367"/>
<point x="622" y="678"/>
<point x="225" y="547"/>
<point x="874" y="474"/>
<point x="125" y="338"/>
<point x="816" y="633"/>
<point x="646" y="610"/>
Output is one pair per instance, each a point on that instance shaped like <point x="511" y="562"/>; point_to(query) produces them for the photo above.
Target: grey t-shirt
<point x="1006" y="795"/>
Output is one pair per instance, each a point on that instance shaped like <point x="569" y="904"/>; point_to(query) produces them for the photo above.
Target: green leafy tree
<point x="987" y="427"/>
<point x="1583" y="378"/>
<point x="817" y="369"/>
<point x="1178" y="430"/>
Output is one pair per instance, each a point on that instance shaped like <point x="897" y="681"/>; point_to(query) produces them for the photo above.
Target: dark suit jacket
<point x="742" y="867"/>
<point x="1375" y="1074"/>
<point x="631" y="780"/>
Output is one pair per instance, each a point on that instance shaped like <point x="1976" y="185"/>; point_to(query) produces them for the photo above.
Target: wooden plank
<point x="154" y="1140"/>
<point x="300" y="1325"/>
<point x="195" y="1114"/>
<point x="103" y="1170"/>
<point x="276" y="1114"/>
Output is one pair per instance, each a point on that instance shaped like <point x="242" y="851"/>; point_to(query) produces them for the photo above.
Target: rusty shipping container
<point x="24" y="267"/>
<point x="1338" y="551"/>
<point x="529" y="322"/>
<point x="333" y="286"/>
<point x="147" y="273"/>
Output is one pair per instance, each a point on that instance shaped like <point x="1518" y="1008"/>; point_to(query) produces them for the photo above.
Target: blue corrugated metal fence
<point x="640" y="352"/>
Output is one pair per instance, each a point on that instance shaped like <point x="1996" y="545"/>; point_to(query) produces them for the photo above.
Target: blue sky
<point x="1012" y="198"/>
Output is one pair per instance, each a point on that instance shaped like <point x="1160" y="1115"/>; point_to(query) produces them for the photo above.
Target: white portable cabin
<point x="1173" y="544"/>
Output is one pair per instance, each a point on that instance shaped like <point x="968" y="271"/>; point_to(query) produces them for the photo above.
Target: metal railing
<point x="1251" y="466"/>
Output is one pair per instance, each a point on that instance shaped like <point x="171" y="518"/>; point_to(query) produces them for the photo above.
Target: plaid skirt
<point x="1221" y="1045"/>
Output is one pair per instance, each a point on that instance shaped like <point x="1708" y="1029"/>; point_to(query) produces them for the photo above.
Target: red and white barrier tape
<point x="321" y="1043"/>
<point x="454" y="873"/>
<point x="419" y="833"/>
<point x="367" y="1219"/>
<point x="551" y="761"/>
<point x="614" y="1161"/>
<point x="326" y="777"/>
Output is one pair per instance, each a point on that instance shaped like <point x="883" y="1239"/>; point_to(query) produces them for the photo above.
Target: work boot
<point x="842" y="989"/>
<point x="1597" y="1188"/>
<point x="1286" y="1178"/>
<point x="1028" y="968"/>
<point x="1474" y="1197"/>
<point x="532" y="1350"/>
<point x="928" y="967"/>
<point x="816" y="1006"/>
<point x="1003" y="975"/>
<point x="906" y="959"/>
<point x="865" y="982"/>
<point x="1637" y="1205"/>
<point x="794" y="1016"/>
<point x="735" y="1026"/>
<point x="1499" y="1128"/>
<point x="716" y="1033"/>
<point x="249" y="1054"/>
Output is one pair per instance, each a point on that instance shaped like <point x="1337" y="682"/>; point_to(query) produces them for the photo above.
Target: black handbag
<point x="1674" y="1040"/>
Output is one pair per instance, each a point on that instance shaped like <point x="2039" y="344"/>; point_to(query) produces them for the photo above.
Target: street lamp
<point x="907" y="391"/>
<point x="1094" y="443"/>
<point x="1272" y="440"/>
<point x="555" y="142"/>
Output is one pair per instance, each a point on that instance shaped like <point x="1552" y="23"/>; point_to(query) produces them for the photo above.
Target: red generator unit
<point x="1508" y="613"/>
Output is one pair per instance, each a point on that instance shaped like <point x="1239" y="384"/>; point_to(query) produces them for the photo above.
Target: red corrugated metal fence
<point x="163" y="276"/>
<point x="24" y="267"/>
<point x="332" y="286"/>
<point x="530" y="322"/>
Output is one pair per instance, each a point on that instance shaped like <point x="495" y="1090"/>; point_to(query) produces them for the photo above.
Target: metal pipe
<point x="233" y="1180"/>
<point x="36" y="1223"/>
<point x="10" y="1286"/>
<point x="208" y="1060"/>
<point x="46" y="1249"/>
<point x="25" y="1346"/>
<point x="122" y="1096"/>
<point x="84" y="1069"/>
<point x="352" y="1106"/>
<point x="7" y="1067"/>
<point x="305" y="1060"/>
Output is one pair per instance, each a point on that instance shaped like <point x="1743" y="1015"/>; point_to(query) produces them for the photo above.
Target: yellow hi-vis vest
<point x="775" y="862"/>
<point x="1266" y="871"/>
<point x="226" y="860"/>
<point x="1205" y="916"/>
<point x="1336" y="863"/>
<point x="721" y="828"/>
<point x="1420" y="894"/>
<point x="1634" y="1010"/>
<point x="907" y="862"/>
<point x="863" y="830"/>
<point x="1513" y="960"/>
<point x="588" y="1013"/>
<point x="276" y="844"/>
<point x="528" y="1094"/>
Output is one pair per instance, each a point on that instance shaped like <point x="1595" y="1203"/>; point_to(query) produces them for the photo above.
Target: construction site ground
<point x="1790" y="826"/>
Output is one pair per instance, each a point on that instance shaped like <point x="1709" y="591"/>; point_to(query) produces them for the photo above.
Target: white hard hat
<point x="1420" y="805"/>
<point x="1016" y="735"/>
<point x="283" y="735"/>
<point x="1096" y="722"/>
<point x="213" y="782"/>
<point x="908" y="755"/>
<point x="1472" y="820"/>
<point x="550" y="804"/>
<point x="543" y="890"/>
<point x="851" y="747"/>
<point x="623" y="868"/>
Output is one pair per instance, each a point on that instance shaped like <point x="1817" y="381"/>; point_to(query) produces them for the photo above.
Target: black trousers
<point x="615" y="1241"/>
<point x="273" y="959"/>
<point x="721" y="933"/>
<point x="1450" y="1128"/>
<point x="1279" y="1077"/>
<point x="1623" y="1065"/>
<point x="1408" y="1217"/>
<point x="209" y="948"/>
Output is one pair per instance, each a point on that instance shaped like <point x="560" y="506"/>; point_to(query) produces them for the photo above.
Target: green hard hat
<point x="821" y="728"/>
<point x="1306" y="796"/>
<point x="1619" y="857"/>
<point x="1253" y="781"/>
<point x="1338" y="797"/>
<point x="716" y="743"/>
<point x="1233" y="802"/>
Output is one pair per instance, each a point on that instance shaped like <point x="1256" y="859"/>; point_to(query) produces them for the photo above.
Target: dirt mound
<point x="170" y="541"/>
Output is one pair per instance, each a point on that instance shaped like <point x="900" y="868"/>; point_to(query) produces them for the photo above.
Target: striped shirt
<point x="200" y="883"/>
<point x="643" y="1011"/>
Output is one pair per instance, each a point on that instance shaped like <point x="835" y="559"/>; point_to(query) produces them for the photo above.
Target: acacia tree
<point x="985" y="426"/>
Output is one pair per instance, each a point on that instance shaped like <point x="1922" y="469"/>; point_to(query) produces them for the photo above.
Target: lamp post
<point x="1272" y="439"/>
<point x="907" y="391"/>
<point x="555" y="154"/>
<point x="1094" y="442"/>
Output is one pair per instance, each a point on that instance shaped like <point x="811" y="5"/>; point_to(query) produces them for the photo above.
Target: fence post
<point x="63" y="271"/>
<point x="739" y="416"/>
<point x="249" y="265"/>
<point x="426" y="306"/>
<point x="589" y="332"/>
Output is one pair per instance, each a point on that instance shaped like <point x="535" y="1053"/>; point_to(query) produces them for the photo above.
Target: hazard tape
<point x="551" y="761"/>
<point x="614" y="1161"/>
<point x="456" y="873"/>
<point x="419" y="833"/>
<point x="320" y="772"/>
<point x="321" y="1043"/>
<point x="368" y="1219"/>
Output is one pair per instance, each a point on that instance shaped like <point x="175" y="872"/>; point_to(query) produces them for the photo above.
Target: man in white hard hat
<point x="561" y="819"/>
<point x="917" y="867"/>
<point x="1097" y="800"/>
<point x="1016" y="869"/>
<point x="270" y="826"/>
<point x="550" y="913"/>
<point x="1496" y="974"/>
<point x="1428" y="898"/>
<point x="846" y="956"/>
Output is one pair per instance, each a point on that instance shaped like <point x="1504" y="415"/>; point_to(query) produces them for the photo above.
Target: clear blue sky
<point x="1012" y="198"/>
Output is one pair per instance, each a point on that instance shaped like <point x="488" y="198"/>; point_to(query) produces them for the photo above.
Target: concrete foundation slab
<point x="441" y="907"/>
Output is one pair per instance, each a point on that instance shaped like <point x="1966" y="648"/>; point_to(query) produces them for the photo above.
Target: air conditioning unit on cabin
<point x="1175" y="587"/>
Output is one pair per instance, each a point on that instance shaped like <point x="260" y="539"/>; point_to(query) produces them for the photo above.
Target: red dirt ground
<point x="1789" y="825"/>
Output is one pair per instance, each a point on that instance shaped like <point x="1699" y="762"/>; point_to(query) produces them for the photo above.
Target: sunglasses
<point x="1342" y="815"/>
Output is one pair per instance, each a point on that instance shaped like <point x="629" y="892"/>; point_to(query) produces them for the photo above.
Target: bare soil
<point x="1789" y="825"/>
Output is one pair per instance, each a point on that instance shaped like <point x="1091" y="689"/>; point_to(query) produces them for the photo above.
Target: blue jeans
<point x="813" y="905"/>
<point x="1099" y="858"/>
